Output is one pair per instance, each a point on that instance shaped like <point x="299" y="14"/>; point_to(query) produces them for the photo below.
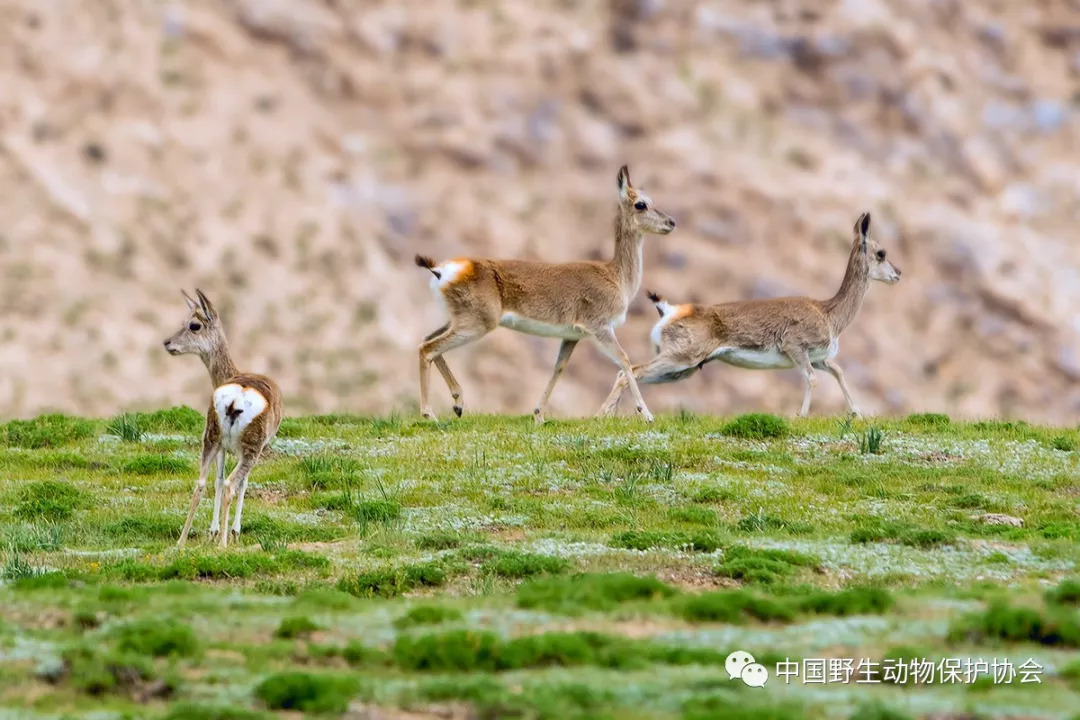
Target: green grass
<point x="697" y="541"/>
<point x="757" y="426"/>
<point x="427" y="615"/>
<point x="127" y="427"/>
<point x="49" y="500"/>
<point x="583" y="569"/>
<point x="296" y="626"/>
<point x="307" y="692"/>
<point x="158" y="464"/>
<point x="159" y="638"/>
<point x="751" y="565"/>
<point x="584" y="592"/>
<point x="47" y="431"/>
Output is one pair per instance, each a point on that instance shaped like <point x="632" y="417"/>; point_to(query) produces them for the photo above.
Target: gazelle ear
<point x="862" y="229"/>
<point x="192" y="305"/>
<point x="624" y="182"/>
<point x="206" y="305"/>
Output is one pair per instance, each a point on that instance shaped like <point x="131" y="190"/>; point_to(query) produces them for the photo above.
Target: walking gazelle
<point x="244" y="414"/>
<point x="764" y="334"/>
<point x="569" y="301"/>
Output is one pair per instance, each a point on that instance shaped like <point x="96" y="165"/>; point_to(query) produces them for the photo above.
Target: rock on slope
<point x="289" y="157"/>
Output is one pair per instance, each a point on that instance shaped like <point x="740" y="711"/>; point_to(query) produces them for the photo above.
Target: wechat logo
<point x="741" y="665"/>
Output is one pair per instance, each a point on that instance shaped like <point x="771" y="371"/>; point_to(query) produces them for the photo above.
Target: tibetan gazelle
<point x="245" y="411"/>
<point x="764" y="334"/>
<point x="569" y="301"/>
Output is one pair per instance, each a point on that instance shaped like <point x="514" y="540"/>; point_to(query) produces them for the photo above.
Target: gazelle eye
<point x="880" y="254"/>
<point x="640" y="205"/>
<point x="194" y="327"/>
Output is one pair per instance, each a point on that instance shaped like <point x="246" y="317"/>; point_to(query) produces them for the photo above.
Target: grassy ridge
<point x="581" y="569"/>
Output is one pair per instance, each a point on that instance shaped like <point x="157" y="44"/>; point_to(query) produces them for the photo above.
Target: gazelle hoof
<point x="457" y="410"/>
<point x="538" y="417"/>
<point x="428" y="415"/>
<point x="645" y="414"/>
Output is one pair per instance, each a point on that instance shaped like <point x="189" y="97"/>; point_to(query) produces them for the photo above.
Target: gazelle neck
<point x="627" y="260"/>
<point x="220" y="364"/>
<point x="842" y="307"/>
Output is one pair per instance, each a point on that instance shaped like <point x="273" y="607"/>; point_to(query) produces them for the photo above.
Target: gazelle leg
<point x="612" y="403"/>
<point x="833" y="369"/>
<point x="610" y="345"/>
<point x="451" y="337"/>
<point x="452" y="383"/>
<point x="236" y="478"/>
<point x="210" y="449"/>
<point x="801" y="359"/>
<point x="661" y="369"/>
<point x="565" y="350"/>
<point x="196" y="497"/>
<point x="243" y="481"/>
<point x="219" y="490"/>
<point x="444" y="370"/>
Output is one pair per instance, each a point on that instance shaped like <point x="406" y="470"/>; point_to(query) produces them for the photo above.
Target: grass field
<point x="393" y="568"/>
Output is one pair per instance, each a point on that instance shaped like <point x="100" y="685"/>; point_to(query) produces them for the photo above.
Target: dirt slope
<point x="290" y="156"/>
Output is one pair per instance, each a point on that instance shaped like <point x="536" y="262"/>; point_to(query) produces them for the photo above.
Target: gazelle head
<point x="638" y="207"/>
<point x="201" y="333"/>
<point x="873" y="254"/>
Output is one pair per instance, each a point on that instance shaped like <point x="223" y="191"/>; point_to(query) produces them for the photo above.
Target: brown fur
<point x="203" y="334"/>
<point x="795" y="327"/>
<point x="585" y="299"/>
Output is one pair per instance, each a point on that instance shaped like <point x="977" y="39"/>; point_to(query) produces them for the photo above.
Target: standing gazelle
<point x="244" y="414"/>
<point x="569" y="301"/>
<point x="764" y="334"/>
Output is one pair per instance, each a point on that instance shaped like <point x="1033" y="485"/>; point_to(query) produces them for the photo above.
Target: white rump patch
<point x="658" y="328"/>
<point x="448" y="273"/>
<point x="236" y="407"/>
<point x="535" y="327"/>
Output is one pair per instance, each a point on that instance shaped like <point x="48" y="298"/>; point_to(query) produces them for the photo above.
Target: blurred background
<point x="290" y="156"/>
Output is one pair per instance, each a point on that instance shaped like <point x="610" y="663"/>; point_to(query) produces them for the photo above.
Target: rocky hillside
<point x="290" y="156"/>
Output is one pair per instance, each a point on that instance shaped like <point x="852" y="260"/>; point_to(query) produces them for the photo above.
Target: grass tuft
<point x="307" y="692"/>
<point x="297" y="626"/>
<point x="1066" y="593"/>
<point x="590" y="591"/>
<point x="50" y="500"/>
<point x="427" y="615"/>
<point x="871" y="441"/>
<point x="126" y="426"/>
<point x="159" y="638"/>
<point x="331" y="471"/>
<point x="698" y="541"/>
<point x="54" y="430"/>
<point x="155" y="464"/>
<point x="757" y="426"/>
<point x="182" y="419"/>
<point x="221" y="566"/>
<point x="929" y="420"/>
<point x="1000" y="621"/>
<point x="735" y="607"/>
<point x="392" y="581"/>
<point x="763" y="566"/>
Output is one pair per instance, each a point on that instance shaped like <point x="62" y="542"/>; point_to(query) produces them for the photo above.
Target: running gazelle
<point x="244" y="414"/>
<point x="569" y="301"/>
<point x="764" y="334"/>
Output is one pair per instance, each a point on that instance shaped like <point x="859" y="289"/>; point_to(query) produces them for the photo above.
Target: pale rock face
<point x="290" y="159"/>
